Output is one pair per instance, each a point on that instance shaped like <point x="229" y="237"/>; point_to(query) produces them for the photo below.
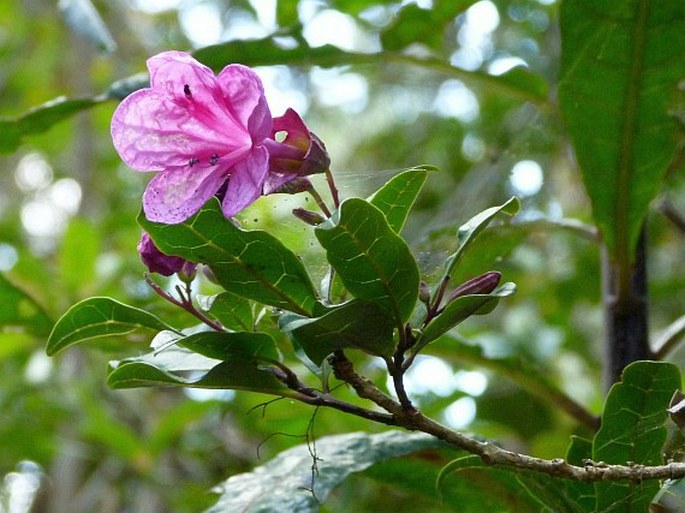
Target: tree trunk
<point x="626" y="311"/>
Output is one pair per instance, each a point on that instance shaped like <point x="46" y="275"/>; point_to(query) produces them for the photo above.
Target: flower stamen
<point x="186" y="91"/>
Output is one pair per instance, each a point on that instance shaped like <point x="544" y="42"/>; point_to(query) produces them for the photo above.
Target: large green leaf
<point x="621" y="65"/>
<point x="633" y="430"/>
<point x="20" y="310"/>
<point x="267" y="51"/>
<point x="177" y="366"/>
<point x="396" y="197"/>
<point x="226" y="346"/>
<point x="40" y="119"/>
<point x="287" y="483"/>
<point x="99" y="317"/>
<point x="486" y="488"/>
<point x="461" y="309"/>
<point x="373" y="262"/>
<point x="249" y="263"/>
<point x="358" y="324"/>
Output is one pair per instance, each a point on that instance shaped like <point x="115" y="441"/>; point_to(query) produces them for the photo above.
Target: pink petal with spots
<point x="175" y="195"/>
<point x="246" y="181"/>
<point x="184" y="115"/>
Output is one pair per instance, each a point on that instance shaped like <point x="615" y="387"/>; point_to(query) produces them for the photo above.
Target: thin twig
<point x="184" y="302"/>
<point x="319" y="201"/>
<point x="333" y="188"/>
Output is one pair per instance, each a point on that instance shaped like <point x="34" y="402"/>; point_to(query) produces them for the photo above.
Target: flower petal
<point x="244" y="94"/>
<point x="176" y="194"/>
<point x="184" y="116"/>
<point x="246" y="181"/>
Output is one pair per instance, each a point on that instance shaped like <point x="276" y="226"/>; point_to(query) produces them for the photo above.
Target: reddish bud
<point x="483" y="284"/>
<point x="308" y="216"/>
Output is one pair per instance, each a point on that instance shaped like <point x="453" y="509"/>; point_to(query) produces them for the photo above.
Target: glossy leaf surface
<point x="99" y="317"/>
<point x="398" y="195"/>
<point x="621" y="65"/>
<point x="461" y="309"/>
<point x="285" y="482"/>
<point x="358" y="324"/>
<point x="373" y="262"/>
<point x="633" y="430"/>
<point x="177" y="366"/>
<point x="249" y="263"/>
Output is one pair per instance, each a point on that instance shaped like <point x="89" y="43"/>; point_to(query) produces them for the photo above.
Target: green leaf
<point x="40" y="119"/>
<point x="358" y="324"/>
<point x="20" y="310"/>
<point x="99" y="317"/>
<point x="633" y="430"/>
<point x="671" y="497"/>
<point x="226" y="346"/>
<point x="468" y="232"/>
<point x="427" y="26"/>
<point x="522" y="78"/>
<point x="266" y="52"/>
<point x="396" y="197"/>
<point x="373" y="262"/>
<point x="286" y="482"/>
<point x="461" y="309"/>
<point x="583" y="494"/>
<point x="249" y="263"/>
<point x="621" y="65"/>
<point x="494" y="489"/>
<point x="233" y="312"/>
<point x="177" y="366"/>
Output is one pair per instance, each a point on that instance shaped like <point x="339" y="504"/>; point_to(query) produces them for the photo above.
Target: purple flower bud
<point x="158" y="262"/>
<point x="424" y="292"/>
<point x="300" y="153"/>
<point x="483" y="284"/>
<point x="308" y="216"/>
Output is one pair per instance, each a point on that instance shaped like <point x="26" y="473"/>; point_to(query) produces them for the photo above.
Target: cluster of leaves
<point x="256" y="270"/>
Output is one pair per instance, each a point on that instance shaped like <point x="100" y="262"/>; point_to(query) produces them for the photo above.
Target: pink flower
<point x="198" y="130"/>
<point x="158" y="262"/>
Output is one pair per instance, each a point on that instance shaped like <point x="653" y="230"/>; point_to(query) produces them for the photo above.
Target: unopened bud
<point x="483" y="284"/>
<point x="424" y="293"/>
<point x="294" y="186"/>
<point x="308" y="216"/>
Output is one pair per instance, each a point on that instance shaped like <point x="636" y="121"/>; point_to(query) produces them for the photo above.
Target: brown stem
<point x="319" y="200"/>
<point x="184" y="302"/>
<point x="333" y="188"/>
<point x="490" y="454"/>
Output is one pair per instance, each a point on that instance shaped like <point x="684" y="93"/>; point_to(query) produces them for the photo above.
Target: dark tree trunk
<point x="625" y="309"/>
